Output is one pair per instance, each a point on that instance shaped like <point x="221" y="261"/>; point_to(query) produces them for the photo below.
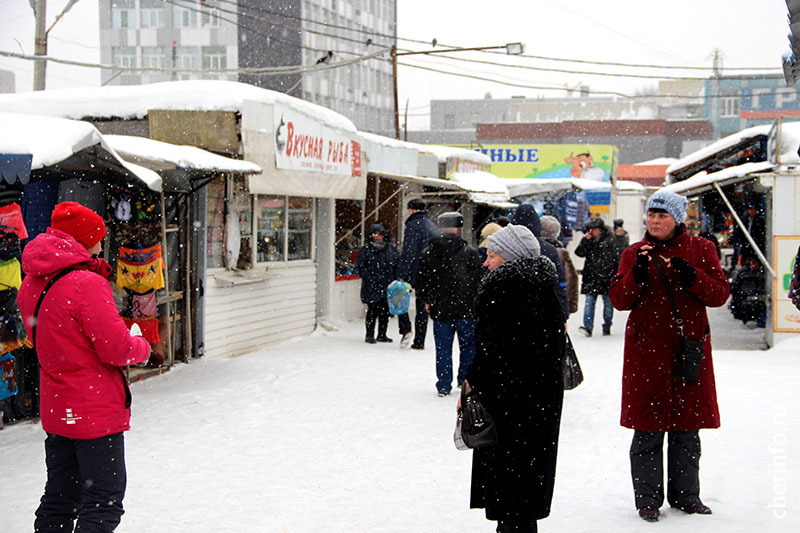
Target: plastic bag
<point x="398" y="293"/>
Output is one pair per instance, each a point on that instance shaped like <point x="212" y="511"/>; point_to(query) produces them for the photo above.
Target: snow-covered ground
<point x="327" y="433"/>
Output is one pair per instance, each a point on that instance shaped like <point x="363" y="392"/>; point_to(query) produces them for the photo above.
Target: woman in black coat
<point x="517" y="375"/>
<point x="376" y="265"/>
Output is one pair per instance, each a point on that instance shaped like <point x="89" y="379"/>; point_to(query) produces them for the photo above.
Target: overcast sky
<point x="675" y="33"/>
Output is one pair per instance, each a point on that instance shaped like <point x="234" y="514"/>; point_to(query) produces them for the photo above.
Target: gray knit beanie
<point x="514" y="242"/>
<point x="551" y="227"/>
<point x="672" y="203"/>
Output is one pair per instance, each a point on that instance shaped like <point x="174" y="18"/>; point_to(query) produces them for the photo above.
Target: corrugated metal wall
<point x="244" y="318"/>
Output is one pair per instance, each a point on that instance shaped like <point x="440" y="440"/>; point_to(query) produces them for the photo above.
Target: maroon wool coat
<point x="653" y="398"/>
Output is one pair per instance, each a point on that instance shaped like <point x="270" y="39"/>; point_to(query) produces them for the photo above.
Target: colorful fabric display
<point x="11" y="220"/>
<point x="149" y="327"/>
<point x="10" y="274"/>
<point x="8" y="376"/>
<point x="140" y="269"/>
<point x="144" y="305"/>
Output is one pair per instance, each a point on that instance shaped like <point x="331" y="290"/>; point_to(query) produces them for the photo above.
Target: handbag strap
<point x="678" y="319"/>
<point x="49" y="284"/>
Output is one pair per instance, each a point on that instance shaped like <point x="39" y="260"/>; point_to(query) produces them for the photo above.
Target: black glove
<point x="686" y="271"/>
<point x="640" y="267"/>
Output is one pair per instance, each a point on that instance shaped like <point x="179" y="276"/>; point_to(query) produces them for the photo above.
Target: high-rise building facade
<point x="210" y="36"/>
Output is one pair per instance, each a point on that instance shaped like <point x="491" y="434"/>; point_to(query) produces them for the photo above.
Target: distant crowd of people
<point x="507" y="303"/>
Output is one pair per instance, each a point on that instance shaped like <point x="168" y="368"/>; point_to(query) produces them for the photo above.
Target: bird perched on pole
<point x="326" y="58"/>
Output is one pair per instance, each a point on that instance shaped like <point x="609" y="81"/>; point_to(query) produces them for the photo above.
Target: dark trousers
<point x="85" y="481"/>
<point x="420" y="323"/>
<point x="683" y="468"/>
<point x="377" y="311"/>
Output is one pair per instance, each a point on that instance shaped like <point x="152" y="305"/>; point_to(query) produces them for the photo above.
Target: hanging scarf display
<point x="10" y="274"/>
<point x="144" y="305"/>
<point x="11" y="220"/>
<point x="8" y="376"/>
<point x="140" y="269"/>
<point x="149" y="327"/>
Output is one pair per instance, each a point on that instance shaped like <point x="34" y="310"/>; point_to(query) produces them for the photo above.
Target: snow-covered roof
<point x="703" y="181"/>
<point x="134" y="101"/>
<point x="483" y="188"/>
<point x="658" y="161"/>
<point x="52" y="140"/>
<point x="626" y="185"/>
<point x="159" y="155"/>
<point x="789" y="139"/>
<point x="444" y="152"/>
<point x="531" y="186"/>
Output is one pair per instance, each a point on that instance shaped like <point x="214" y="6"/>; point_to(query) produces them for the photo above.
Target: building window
<point x="474" y="118"/>
<point x="449" y="121"/>
<point x="123" y="14"/>
<point x="152" y="14"/>
<point x="729" y="106"/>
<point x="184" y="14"/>
<point x="284" y="228"/>
<point x="123" y="56"/>
<point x="229" y="200"/>
<point x="210" y="17"/>
<point x="214" y="58"/>
<point x="187" y="57"/>
<point x="152" y="57"/>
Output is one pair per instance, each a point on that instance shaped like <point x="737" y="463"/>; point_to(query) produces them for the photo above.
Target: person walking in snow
<point x="81" y="343"/>
<point x="621" y="238"/>
<point x="417" y="234"/>
<point x="376" y="264"/>
<point x="551" y="229"/>
<point x="447" y="281"/>
<point x="517" y="375"/>
<point x="655" y="400"/>
<point x="601" y="260"/>
<point x="526" y="215"/>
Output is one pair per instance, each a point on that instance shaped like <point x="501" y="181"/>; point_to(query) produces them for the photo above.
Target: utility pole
<point x="40" y="45"/>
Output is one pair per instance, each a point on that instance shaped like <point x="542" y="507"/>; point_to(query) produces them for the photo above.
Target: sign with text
<point x="785" y="316"/>
<point x="304" y="143"/>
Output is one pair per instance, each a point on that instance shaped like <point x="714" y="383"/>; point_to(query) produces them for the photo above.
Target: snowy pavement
<point x="327" y="433"/>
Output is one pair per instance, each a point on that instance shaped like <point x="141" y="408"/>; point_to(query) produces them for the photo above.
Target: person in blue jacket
<point x="376" y="264"/>
<point x="526" y="215"/>
<point x="417" y="234"/>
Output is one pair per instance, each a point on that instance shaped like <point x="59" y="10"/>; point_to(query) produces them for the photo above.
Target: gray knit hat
<point x="672" y="203"/>
<point x="551" y="227"/>
<point x="514" y="242"/>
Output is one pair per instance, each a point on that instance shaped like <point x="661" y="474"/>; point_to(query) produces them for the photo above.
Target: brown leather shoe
<point x="694" y="508"/>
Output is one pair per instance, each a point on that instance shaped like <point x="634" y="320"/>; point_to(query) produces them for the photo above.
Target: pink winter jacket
<point x="81" y="341"/>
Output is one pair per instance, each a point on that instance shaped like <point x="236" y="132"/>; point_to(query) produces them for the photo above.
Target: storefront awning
<point x="50" y="141"/>
<point x="534" y="186"/>
<point x="157" y="155"/>
<point x="704" y="182"/>
<point x="480" y="187"/>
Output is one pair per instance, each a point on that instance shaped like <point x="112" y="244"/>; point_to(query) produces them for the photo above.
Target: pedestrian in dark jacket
<point x="417" y="234"/>
<point x="447" y="281"/>
<point x="600" y="265"/>
<point x="81" y="343"/>
<point x="551" y="229"/>
<point x="376" y="264"/>
<point x="620" y="238"/>
<point x="527" y="216"/>
<point x="655" y="400"/>
<point x="517" y="375"/>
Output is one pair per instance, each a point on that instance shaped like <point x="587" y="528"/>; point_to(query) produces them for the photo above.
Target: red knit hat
<point x="81" y="222"/>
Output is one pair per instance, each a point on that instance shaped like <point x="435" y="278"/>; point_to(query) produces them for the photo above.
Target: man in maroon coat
<point x="654" y="399"/>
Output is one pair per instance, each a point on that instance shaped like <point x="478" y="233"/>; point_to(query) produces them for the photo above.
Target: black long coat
<point x="376" y="264"/>
<point x="448" y="277"/>
<point x="601" y="263"/>
<point x="517" y="374"/>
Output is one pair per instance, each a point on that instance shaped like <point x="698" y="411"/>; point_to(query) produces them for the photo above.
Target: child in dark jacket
<point x="376" y="265"/>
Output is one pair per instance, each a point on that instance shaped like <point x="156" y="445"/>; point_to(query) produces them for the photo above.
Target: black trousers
<point x="517" y="526"/>
<point x="86" y="482"/>
<point x="420" y="323"/>
<point x="377" y="311"/>
<point x="683" y="468"/>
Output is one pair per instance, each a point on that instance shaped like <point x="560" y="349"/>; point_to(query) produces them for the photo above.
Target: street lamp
<point x="511" y="49"/>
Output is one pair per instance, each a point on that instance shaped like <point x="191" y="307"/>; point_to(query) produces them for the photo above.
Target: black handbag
<point x="691" y="352"/>
<point x="474" y="426"/>
<point x="573" y="375"/>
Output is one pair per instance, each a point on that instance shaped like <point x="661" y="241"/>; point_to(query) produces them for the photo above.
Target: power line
<point x="263" y="71"/>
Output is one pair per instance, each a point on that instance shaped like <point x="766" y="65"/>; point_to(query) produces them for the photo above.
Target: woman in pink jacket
<point x="81" y="343"/>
